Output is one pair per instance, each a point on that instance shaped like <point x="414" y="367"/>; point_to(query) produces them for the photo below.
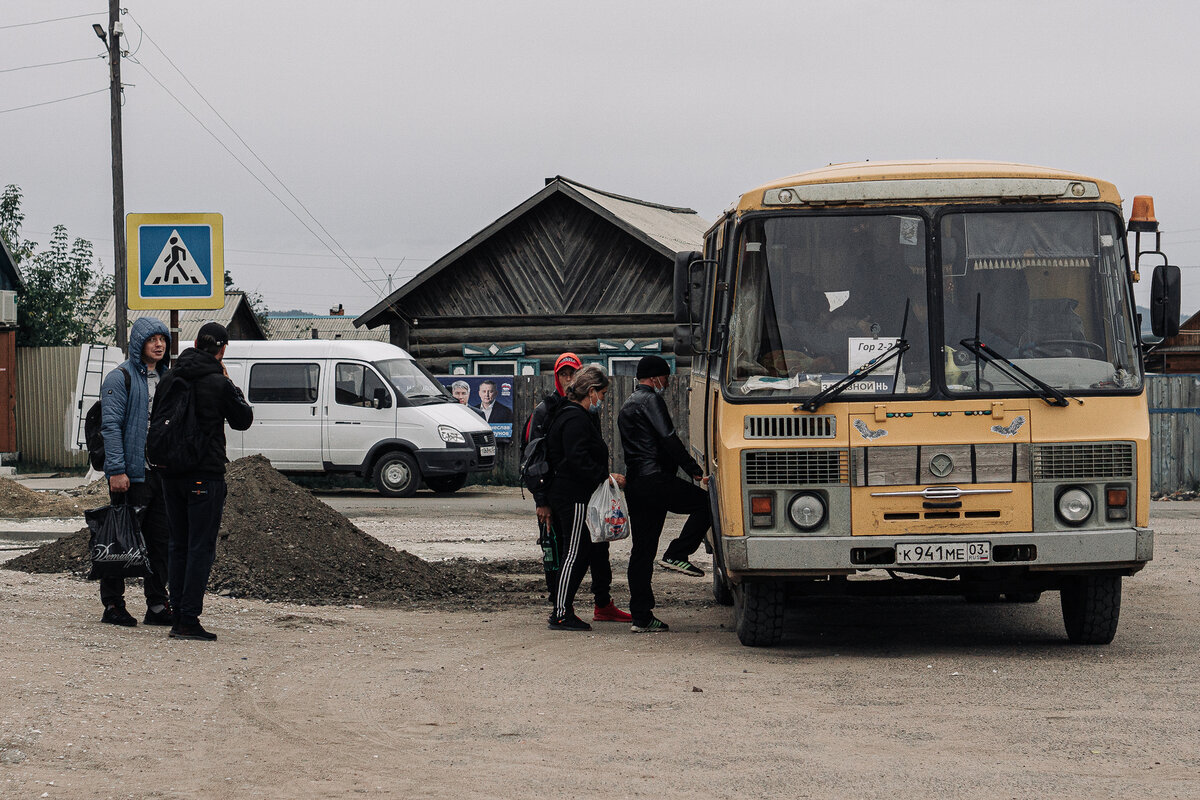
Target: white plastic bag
<point x="607" y="519"/>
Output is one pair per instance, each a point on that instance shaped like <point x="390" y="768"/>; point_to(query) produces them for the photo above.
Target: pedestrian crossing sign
<point x="176" y="261"/>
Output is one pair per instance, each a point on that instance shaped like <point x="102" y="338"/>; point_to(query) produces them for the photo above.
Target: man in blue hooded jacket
<point x="126" y="397"/>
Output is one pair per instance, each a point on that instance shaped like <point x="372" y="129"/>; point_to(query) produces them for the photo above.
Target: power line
<point x="149" y="38"/>
<point x="56" y="19"/>
<point x="51" y="102"/>
<point x="49" y="64"/>
<point x="353" y="268"/>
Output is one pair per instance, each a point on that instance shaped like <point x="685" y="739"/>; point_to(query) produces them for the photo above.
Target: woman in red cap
<point x="549" y="538"/>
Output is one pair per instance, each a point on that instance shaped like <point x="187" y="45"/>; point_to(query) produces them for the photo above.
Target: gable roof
<point x="327" y="327"/>
<point x="665" y="229"/>
<point x="8" y="265"/>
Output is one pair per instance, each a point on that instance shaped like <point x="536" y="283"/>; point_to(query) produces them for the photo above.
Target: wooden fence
<point x="528" y="391"/>
<point x="1174" y="432"/>
<point x="45" y="392"/>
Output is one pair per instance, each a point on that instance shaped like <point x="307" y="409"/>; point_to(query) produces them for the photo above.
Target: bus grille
<point x="823" y="426"/>
<point x="1083" y="461"/>
<point x="795" y="467"/>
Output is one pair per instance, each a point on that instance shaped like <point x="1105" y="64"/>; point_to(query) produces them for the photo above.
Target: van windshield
<point x="412" y="380"/>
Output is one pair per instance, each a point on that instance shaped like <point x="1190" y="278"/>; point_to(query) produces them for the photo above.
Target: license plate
<point x="487" y="450"/>
<point x="943" y="553"/>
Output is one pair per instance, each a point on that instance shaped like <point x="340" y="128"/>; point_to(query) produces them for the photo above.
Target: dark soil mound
<point x="278" y="542"/>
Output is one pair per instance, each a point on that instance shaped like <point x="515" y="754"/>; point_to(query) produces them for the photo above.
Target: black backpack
<point x="175" y="441"/>
<point x="92" y="437"/>
<point x="536" y="472"/>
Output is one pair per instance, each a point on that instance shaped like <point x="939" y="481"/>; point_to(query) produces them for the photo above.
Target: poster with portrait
<point x="489" y="396"/>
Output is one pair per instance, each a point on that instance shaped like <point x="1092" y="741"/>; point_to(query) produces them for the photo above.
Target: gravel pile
<point x="20" y="501"/>
<point x="278" y="542"/>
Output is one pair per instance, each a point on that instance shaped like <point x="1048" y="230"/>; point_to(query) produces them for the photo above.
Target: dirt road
<point x="896" y="698"/>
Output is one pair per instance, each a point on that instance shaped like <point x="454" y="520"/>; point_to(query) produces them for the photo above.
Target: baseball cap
<point x="567" y="360"/>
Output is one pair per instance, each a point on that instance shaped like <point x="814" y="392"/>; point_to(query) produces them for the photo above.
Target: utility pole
<point x="120" y="287"/>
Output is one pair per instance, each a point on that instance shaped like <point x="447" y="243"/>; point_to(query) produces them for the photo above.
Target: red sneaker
<point x="610" y="613"/>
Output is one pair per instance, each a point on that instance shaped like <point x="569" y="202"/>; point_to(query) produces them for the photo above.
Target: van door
<point x="352" y="422"/>
<point x="233" y="439"/>
<point x="287" y="427"/>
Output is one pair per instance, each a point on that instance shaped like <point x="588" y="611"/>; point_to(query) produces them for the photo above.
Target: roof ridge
<point x="615" y="196"/>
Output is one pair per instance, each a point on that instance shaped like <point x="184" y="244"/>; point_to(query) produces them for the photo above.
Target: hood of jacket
<point x="143" y="328"/>
<point x="192" y="364"/>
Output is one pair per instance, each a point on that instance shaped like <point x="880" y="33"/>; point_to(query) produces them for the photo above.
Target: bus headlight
<point x="1075" y="506"/>
<point x="451" y="435"/>
<point x="807" y="511"/>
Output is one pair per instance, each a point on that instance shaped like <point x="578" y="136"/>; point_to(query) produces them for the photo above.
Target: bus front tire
<point x="758" y="612"/>
<point x="721" y="591"/>
<point x="1091" y="607"/>
<point x="445" y="484"/>
<point x="397" y="474"/>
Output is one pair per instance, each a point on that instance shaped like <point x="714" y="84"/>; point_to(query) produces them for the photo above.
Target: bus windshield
<point x="1046" y="289"/>
<point x="818" y="297"/>
<point x="413" y="381"/>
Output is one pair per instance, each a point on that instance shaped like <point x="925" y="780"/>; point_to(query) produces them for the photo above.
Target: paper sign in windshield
<point x="863" y="349"/>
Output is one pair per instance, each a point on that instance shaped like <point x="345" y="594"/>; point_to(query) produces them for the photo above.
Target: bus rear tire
<point x="1091" y="607"/>
<point x="758" y="612"/>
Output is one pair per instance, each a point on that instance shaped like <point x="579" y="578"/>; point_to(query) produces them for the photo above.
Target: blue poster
<point x="491" y="397"/>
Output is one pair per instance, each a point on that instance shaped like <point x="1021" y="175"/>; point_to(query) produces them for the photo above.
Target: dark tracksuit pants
<point x="578" y="554"/>
<point x="650" y="498"/>
<point x="552" y="562"/>
<point x="194" y="509"/>
<point x="148" y="493"/>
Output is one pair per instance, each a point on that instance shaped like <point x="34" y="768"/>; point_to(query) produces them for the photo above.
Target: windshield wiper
<point x="982" y="352"/>
<point x="895" y="351"/>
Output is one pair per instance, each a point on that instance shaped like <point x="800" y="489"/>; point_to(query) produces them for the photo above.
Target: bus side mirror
<point x="685" y="340"/>
<point x="382" y="399"/>
<point x="1164" y="301"/>
<point x="689" y="287"/>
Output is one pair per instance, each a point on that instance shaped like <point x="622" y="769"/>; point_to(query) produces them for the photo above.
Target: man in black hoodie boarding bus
<point x="195" y="492"/>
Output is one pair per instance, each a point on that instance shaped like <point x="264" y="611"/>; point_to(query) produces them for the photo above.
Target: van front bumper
<point x="1125" y="549"/>
<point x="452" y="461"/>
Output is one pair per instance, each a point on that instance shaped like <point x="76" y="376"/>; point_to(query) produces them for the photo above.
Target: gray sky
<point x="406" y="127"/>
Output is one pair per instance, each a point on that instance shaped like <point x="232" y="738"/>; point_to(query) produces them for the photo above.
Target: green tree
<point x="63" y="288"/>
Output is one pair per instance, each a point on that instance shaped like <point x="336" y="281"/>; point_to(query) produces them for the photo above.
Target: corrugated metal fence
<point x="45" y="391"/>
<point x="1174" y="431"/>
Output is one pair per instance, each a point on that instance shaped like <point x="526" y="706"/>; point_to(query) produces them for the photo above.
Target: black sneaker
<point x="195" y="632"/>
<point x="164" y="617"/>
<point x="117" y="615"/>
<point x="681" y="565"/>
<point x="568" y="623"/>
<point x="652" y="625"/>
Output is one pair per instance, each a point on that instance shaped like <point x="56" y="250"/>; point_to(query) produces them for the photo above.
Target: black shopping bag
<point x="117" y="549"/>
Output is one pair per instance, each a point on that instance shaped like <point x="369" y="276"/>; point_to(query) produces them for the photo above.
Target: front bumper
<point x="1125" y="549"/>
<point x="460" y="459"/>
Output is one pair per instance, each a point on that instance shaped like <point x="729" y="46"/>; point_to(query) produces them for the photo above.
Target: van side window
<point x="284" y="383"/>
<point x="355" y="385"/>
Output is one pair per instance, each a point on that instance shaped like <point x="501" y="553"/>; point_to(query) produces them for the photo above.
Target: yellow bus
<point x="923" y="378"/>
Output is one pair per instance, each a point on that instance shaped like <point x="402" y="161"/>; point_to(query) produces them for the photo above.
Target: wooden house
<point x="1179" y="353"/>
<point x="236" y="315"/>
<point x="571" y="268"/>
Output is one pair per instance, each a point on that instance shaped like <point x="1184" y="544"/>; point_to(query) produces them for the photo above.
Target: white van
<point x="355" y="406"/>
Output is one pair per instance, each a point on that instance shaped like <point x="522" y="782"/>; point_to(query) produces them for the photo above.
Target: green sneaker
<point x="652" y="625"/>
<point x="681" y="565"/>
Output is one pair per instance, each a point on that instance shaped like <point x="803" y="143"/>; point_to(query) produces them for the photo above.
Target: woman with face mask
<point x="578" y="458"/>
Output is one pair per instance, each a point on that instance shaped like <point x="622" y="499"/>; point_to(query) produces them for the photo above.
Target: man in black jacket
<point x="195" y="494"/>
<point x="653" y="456"/>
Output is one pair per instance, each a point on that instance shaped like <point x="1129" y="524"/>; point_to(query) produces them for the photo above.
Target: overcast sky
<point x="406" y="127"/>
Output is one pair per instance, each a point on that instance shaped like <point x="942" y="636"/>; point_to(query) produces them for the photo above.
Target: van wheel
<point x="444" y="484"/>
<point x="758" y="612"/>
<point x="397" y="475"/>
<point x="1091" y="606"/>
